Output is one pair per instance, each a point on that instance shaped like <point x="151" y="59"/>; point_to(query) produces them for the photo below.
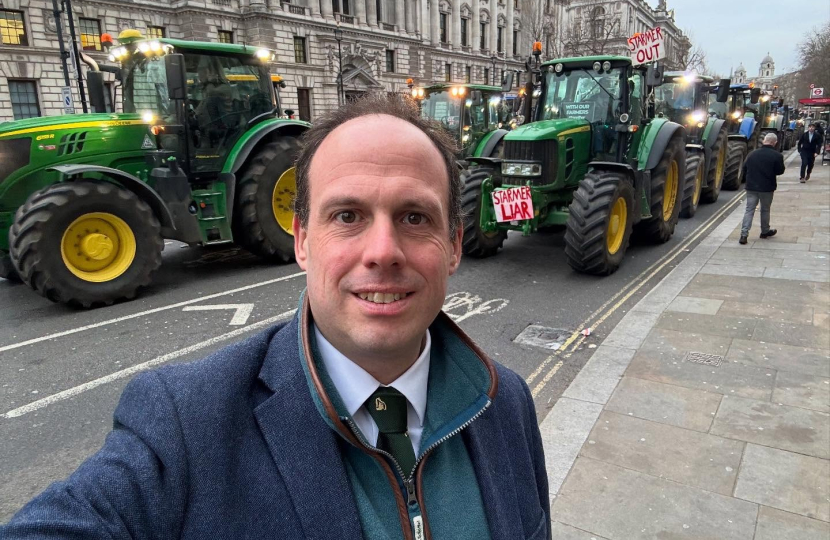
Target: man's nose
<point x="382" y="245"/>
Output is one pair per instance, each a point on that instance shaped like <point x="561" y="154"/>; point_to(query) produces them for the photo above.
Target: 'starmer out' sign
<point x="647" y="46"/>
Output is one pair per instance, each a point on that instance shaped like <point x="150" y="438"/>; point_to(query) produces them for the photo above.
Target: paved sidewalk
<point x="705" y="413"/>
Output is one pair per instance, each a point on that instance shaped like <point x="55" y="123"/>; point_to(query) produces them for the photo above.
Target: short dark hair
<point x="377" y="103"/>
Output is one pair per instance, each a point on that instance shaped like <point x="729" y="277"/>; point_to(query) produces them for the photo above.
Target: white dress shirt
<point x="355" y="385"/>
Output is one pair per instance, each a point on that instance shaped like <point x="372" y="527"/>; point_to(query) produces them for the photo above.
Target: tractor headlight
<point x="736" y="115"/>
<point x="465" y="137"/>
<point x="606" y="66"/>
<point x="521" y="169"/>
<point x="696" y="117"/>
<point x="558" y="68"/>
<point x="148" y="117"/>
<point x="597" y="66"/>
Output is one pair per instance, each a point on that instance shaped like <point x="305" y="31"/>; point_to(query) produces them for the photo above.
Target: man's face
<point x="377" y="248"/>
<point x="811" y="129"/>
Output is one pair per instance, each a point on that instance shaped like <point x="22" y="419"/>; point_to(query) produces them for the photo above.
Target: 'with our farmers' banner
<point x="647" y="46"/>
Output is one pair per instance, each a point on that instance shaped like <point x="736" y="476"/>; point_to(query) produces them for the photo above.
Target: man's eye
<point x="346" y="217"/>
<point x="415" y="219"/>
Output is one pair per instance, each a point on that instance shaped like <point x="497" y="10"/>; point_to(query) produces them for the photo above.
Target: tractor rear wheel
<point x="717" y="167"/>
<point x="86" y="243"/>
<point x="477" y="243"/>
<point x="7" y="270"/>
<point x="788" y="140"/>
<point x="735" y="156"/>
<point x="599" y="222"/>
<point x="666" y="194"/>
<point x="693" y="185"/>
<point x="264" y="214"/>
<point x="752" y="144"/>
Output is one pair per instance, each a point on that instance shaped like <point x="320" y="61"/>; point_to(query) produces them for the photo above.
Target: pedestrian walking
<point x="809" y="146"/>
<point x="760" y="169"/>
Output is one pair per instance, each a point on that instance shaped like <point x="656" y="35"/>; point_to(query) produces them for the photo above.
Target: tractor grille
<point x="72" y="143"/>
<point x="544" y="151"/>
<point x="14" y="154"/>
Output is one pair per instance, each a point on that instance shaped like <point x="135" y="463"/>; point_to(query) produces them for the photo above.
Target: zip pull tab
<point x="418" y="528"/>
<point x="410" y="492"/>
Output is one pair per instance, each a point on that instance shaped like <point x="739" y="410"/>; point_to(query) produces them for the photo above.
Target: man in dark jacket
<point x="809" y="146"/>
<point x="369" y="415"/>
<point x="760" y="169"/>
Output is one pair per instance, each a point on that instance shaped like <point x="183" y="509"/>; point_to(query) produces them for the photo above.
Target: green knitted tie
<point x="387" y="407"/>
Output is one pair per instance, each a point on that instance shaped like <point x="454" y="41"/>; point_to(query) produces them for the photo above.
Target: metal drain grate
<point x="713" y="360"/>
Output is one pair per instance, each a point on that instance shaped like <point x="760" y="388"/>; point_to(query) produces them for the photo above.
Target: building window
<point x="341" y="6"/>
<point x="464" y="32"/>
<point x="547" y="6"/>
<point x="448" y="72"/>
<point x="598" y="15"/>
<point x="108" y="97"/>
<point x="499" y="47"/>
<point x="24" y="99"/>
<point x="12" y="28"/>
<point x="299" y="50"/>
<point x="90" y="34"/>
<point x="225" y="36"/>
<point x="468" y="74"/>
<point x="379" y="9"/>
<point x="482" y="35"/>
<point x="390" y="61"/>
<point x="156" y="32"/>
<point x="515" y="4"/>
<point x="515" y="42"/>
<point x="304" y="104"/>
<point x="443" y="20"/>
<point x="486" y="75"/>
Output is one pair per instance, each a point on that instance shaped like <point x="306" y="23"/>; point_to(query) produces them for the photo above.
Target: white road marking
<point x="462" y="299"/>
<point x="243" y="311"/>
<point x="145" y="313"/>
<point x="71" y="392"/>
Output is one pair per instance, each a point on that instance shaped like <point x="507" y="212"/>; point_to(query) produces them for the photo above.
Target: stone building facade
<point x="766" y="75"/>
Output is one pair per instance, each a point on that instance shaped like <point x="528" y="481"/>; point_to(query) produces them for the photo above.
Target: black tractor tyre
<point x="475" y="242"/>
<point x="788" y="140"/>
<point x="7" y="269"/>
<point x="38" y="230"/>
<point x="659" y="228"/>
<point x="693" y="184"/>
<point x="714" y="178"/>
<point x="735" y="156"/>
<point x="752" y="144"/>
<point x="255" y="226"/>
<point x="587" y="227"/>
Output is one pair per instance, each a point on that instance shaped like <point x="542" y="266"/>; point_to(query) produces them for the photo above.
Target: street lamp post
<point x="338" y="35"/>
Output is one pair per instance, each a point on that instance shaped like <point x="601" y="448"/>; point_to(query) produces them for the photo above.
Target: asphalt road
<point x="62" y="370"/>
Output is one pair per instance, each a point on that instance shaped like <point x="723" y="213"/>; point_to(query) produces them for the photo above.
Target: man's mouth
<point x="381" y="298"/>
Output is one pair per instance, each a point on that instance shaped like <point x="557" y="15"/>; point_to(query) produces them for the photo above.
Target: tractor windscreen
<point x="581" y="93"/>
<point x="145" y="85"/>
<point x="675" y="101"/>
<point x="445" y="108"/>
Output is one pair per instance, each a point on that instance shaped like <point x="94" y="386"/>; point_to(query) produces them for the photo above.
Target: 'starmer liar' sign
<point x="647" y="46"/>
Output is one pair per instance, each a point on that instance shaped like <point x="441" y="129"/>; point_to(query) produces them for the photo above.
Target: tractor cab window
<point x="224" y="94"/>
<point x="674" y="101"/>
<point x="145" y="86"/>
<point x="635" y="88"/>
<point x="721" y="110"/>
<point x="446" y="109"/>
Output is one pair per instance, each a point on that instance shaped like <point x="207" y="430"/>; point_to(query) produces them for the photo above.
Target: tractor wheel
<point x="477" y="243"/>
<point x="735" y="156"/>
<point x="666" y="195"/>
<point x="86" y="243"/>
<point x="752" y="144"/>
<point x="7" y="270"/>
<point x="788" y="140"/>
<point x="693" y="185"/>
<point x="717" y="167"/>
<point x="599" y="222"/>
<point x="264" y="213"/>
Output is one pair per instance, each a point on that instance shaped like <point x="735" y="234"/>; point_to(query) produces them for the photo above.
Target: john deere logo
<point x="379" y="405"/>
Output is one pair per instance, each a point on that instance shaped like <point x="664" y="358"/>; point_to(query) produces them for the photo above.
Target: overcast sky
<point x="735" y="31"/>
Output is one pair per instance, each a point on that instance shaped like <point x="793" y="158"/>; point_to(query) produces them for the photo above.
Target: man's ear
<point x="300" y="243"/>
<point x="456" y="247"/>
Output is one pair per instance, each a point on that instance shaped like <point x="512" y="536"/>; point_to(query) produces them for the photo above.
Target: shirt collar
<point x="355" y="384"/>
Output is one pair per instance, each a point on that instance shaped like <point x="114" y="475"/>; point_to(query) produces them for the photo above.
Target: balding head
<point x="770" y="139"/>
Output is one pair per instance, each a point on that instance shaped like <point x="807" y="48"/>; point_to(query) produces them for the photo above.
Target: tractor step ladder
<point x="212" y="214"/>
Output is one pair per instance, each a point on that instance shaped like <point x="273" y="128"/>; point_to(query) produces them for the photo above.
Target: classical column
<point x="411" y="6"/>
<point x="371" y="13"/>
<point x="400" y="18"/>
<point x="360" y="10"/>
<point x="475" y="31"/>
<point x="315" y="8"/>
<point x="434" y="23"/>
<point x="494" y="27"/>
<point x="328" y="13"/>
<point x="508" y="38"/>
<point x="455" y="25"/>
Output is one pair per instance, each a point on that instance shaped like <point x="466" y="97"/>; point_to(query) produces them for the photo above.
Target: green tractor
<point x="795" y="128"/>
<point x="476" y="115"/>
<point x="776" y="120"/>
<point x="593" y="159"/>
<point x="741" y="112"/>
<point x="201" y="155"/>
<point x="684" y="98"/>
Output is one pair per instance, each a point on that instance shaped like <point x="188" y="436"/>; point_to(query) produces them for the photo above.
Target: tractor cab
<point x="684" y="98"/>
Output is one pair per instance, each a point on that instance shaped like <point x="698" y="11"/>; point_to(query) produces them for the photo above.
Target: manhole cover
<point x="713" y="360"/>
<point x="543" y="337"/>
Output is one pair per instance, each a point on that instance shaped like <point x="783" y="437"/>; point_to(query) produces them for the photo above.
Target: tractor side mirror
<point x="507" y="82"/>
<point x="754" y="95"/>
<point x="654" y="75"/>
<point x="723" y="90"/>
<point x="176" y="76"/>
<point x="95" y="86"/>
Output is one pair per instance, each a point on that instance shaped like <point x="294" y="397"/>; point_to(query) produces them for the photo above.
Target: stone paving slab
<point x="805" y="391"/>
<point x="784" y="312"/>
<point x="769" y="424"/>
<point x="779" y="356"/>
<point x="597" y="380"/>
<point x="733" y="270"/>
<point x="786" y="481"/>
<point x="566" y="532"/>
<point x="797" y="274"/>
<point x="777" y="525"/>
<point x="570" y="423"/>
<point x="772" y="243"/>
<point x="664" y="403"/>
<point x="798" y="335"/>
<point x="716" y="325"/>
<point x="631" y="331"/>
<point x="620" y="504"/>
<point x="723" y="288"/>
<point x="691" y="458"/>
<point x="703" y="306"/>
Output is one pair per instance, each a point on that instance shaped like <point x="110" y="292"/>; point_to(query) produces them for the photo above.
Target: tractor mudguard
<point x="747" y="127"/>
<point x="661" y="141"/>
<point x="127" y="181"/>
<point x="490" y="162"/>
<point x="712" y="135"/>
<point x="490" y="143"/>
<point x="625" y="168"/>
<point x="248" y="142"/>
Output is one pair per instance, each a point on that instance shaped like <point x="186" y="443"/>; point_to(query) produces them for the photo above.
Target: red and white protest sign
<point x="647" y="46"/>
<point x="513" y="204"/>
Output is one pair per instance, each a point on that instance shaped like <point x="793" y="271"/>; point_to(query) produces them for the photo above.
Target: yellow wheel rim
<point x="670" y="191"/>
<point x="616" y="226"/>
<point x="698" y="186"/>
<point x="721" y="161"/>
<point x="284" y="192"/>
<point x="98" y="247"/>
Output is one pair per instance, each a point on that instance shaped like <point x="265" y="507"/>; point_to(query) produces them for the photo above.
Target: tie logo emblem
<point x="379" y="405"/>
